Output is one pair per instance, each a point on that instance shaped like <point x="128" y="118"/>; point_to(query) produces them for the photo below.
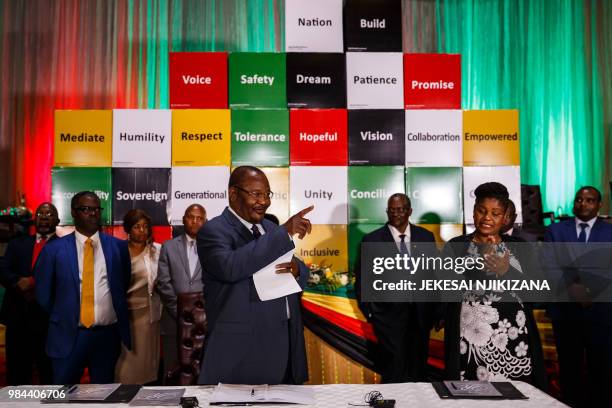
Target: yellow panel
<point x="201" y="137"/>
<point x="444" y="232"/>
<point x="279" y="184"/>
<point x="83" y="138"/>
<point x="327" y="245"/>
<point x="491" y="138"/>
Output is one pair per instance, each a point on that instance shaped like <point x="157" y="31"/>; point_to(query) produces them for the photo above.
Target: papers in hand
<point x="253" y="394"/>
<point x="271" y="285"/>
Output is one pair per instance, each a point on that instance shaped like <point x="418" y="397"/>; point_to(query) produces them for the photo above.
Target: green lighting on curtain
<point x="539" y="57"/>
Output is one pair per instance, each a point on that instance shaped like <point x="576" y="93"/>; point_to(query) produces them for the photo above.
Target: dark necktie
<point x="255" y="231"/>
<point x="582" y="236"/>
<point x="402" y="246"/>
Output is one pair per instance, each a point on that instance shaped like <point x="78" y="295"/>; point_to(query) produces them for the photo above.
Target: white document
<point x="271" y="285"/>
<point x="292" y="394"/>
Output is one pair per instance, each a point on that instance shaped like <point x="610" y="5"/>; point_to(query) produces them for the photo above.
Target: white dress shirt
<point x="104" y="312"/>
<point x="192" y="255"/>
<point x="249" y="226"/>
<point x="588" y="229"/>
<point x="47" y="237"/>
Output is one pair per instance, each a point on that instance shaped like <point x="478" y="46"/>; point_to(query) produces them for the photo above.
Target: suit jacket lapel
<point x="71" y="250"/>
<point x="181" y="246"/>
<point x="572" y="235"/>
<point x="238" y="226"/>
<point x="594" y="236"/>
<point x="108" y="257"/>
<point x="387" y="236"/>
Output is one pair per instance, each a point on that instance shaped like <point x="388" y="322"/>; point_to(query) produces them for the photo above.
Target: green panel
<point x="369" y="189"/>
<point x="260" y="137"/>
<point x="257" y="80"/>
<point x="435" y="194"/>
<point x="67" y="181"/>
<point x="355" y="234"/>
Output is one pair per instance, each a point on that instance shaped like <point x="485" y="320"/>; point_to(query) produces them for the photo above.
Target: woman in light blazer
<point x="141" y="364"/>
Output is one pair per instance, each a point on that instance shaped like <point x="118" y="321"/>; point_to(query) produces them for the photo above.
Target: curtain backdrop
<point x="552" y="60"/>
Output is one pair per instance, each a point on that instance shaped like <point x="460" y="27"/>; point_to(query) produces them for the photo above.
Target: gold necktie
<point x="87" y="285"/>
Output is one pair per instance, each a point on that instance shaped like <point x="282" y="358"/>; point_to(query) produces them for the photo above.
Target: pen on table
<point x="72" y="389"/>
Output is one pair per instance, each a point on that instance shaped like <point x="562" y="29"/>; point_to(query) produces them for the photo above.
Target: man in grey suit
<point x="179" y="271"/>
<point x="251" y="341"/>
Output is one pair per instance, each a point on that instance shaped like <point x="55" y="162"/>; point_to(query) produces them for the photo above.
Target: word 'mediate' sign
<point x="83" y="138"/>
<point x="198" y="80"/>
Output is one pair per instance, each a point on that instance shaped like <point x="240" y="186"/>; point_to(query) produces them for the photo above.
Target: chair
<point x="192" y="325"/>
<point x="533" y="213"/>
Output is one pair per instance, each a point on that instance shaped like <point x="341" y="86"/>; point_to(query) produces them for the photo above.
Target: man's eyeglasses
<point x="45" y="214"/>
<point x="257" y="194"/>
<point x="90" y="210"/>
<point x="400" y="210"/>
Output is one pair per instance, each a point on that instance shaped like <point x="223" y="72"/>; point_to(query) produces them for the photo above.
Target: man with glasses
<point x="26" y="323"/>
<point x="251" y="341"/>
<point x="179" y="271"/>
<point x="402" y="329"/>
<point x="82" y="281"/>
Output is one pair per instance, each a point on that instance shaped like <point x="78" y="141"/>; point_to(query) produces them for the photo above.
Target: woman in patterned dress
<point x="492" y="335"/>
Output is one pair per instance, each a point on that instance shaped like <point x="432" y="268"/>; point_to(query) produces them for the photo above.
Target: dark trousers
<point x="584" y="345"/>
<point x="402" y="350"/>
<point x="25" y="350"/>
<point x="97" y="349"/>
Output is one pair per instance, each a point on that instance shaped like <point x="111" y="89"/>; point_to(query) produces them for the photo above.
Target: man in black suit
<point x="251" y="341"/>
<point x="510" y="229"/>
<point x="402" y="329"/>
<point x="26" y="322"/>
<point x="582" y="328"/>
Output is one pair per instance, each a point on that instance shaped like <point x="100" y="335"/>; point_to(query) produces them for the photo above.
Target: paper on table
<point x="233" y="393"/>
<point x="272" y="285"/>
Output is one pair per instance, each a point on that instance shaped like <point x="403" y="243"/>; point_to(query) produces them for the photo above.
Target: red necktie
<point x="38" y="246"/>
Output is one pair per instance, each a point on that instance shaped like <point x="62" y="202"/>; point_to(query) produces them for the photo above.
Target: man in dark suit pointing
<point x="250" y="341"/>
<point x="402" y="329"/>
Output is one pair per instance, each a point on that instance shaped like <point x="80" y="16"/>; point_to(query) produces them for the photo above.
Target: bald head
<point x="249" y="193"/>
<point x="46" y="219"/>
<point x="243" y="172"/>
<point x="194" y="218"/>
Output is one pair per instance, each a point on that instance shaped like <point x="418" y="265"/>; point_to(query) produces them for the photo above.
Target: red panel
<point x="198" y="80"/>
<point x="432" y="81"/>
<point x="318" y="137"/>
<point x="161" y="233"/>
<point x="354" y="326"/>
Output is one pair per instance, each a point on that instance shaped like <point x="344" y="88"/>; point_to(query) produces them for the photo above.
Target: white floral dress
<point x="494" y="342"/>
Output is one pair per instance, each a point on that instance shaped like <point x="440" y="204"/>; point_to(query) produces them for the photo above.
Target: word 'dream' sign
<point x="198" y="80"/>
